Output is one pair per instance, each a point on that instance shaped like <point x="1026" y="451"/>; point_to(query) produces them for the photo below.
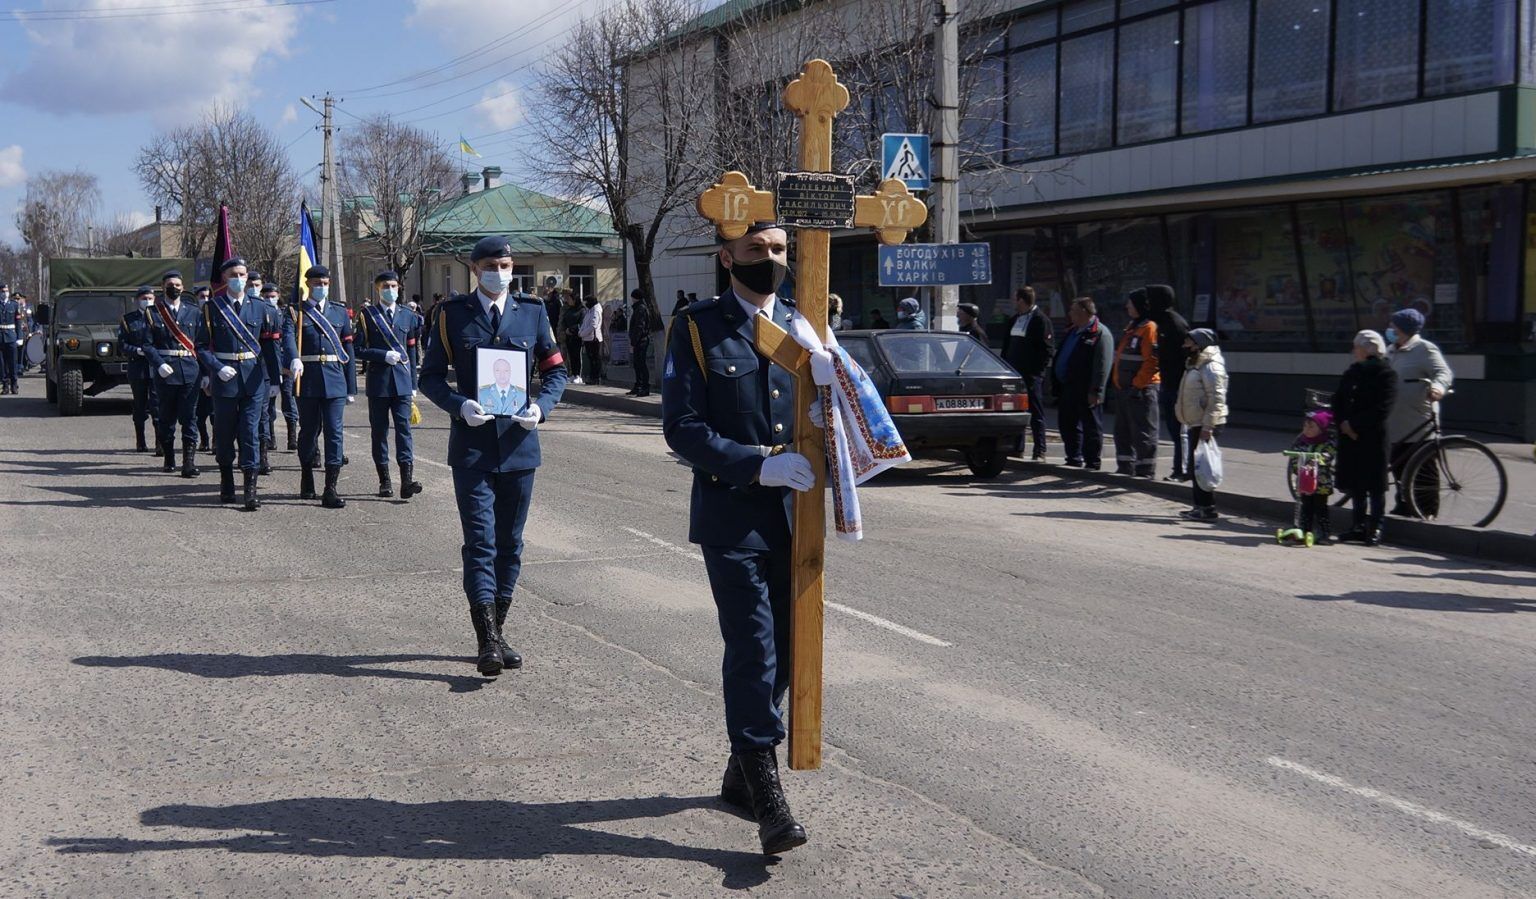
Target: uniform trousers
<point x="178" y="405"/>
<point x="9" y="357"/>
<point x="1136" y="429"/>
<point x="752" y="598"/>
<point x="144" y="403"/>
<point x="315" y="413"/>
<point x="382" y="412"/>
<point x="237" y="420"/>
<point x="493" y="507"/>
<point x="290" y="405"/>
<point x="1082" y="428"/>
<point x="204" y="412"/>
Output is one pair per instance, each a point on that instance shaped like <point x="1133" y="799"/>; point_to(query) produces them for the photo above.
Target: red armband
<point x="550" y="361"/>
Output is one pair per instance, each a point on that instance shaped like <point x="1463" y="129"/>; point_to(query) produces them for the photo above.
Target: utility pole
<point x="330" y="217"/>
<point x="946" y="195"/>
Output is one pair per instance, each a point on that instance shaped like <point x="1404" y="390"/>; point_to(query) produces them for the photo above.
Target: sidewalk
<point x="1254" y="482"/>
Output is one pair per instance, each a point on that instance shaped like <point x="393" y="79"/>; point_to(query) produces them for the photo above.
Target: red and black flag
<point x="223" y="248"/>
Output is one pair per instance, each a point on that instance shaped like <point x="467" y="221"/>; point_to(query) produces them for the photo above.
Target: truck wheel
<point x="51" y="389"/>
<point x="986" y="458"/>
<point x="71" y="389"/>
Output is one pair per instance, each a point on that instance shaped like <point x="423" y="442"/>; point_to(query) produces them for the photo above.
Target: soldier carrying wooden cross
<point x="756" y="396"/>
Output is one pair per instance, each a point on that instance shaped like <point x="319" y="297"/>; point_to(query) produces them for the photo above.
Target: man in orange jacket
<point x="1136" y="381"/>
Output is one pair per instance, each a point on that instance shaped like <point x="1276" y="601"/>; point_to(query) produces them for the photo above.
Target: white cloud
<point x="501" y="106"/>
<point x="12" y="172"/>
<point x="103" y="65"/>
<point x="290" y="115"/>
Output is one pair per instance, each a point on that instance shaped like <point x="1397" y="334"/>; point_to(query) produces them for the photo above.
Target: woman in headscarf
<point x="1361" y="406"/>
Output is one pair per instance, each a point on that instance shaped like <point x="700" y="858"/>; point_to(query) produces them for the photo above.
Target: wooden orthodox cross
<point x="816" y="97"/>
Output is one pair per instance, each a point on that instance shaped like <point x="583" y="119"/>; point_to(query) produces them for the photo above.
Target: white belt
<point x="234" y="357"/>
<point x="319" y="358"/>
<point x="175" y="353"/>
<point x="7" y="327"/>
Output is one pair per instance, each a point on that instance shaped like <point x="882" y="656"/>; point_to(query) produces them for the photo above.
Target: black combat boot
<point x="386" y="489"/>
<point x="265" y="465"/>
<point x="330" y="498"/>
<point x="251" y="502"/>
<point x="189" y="462"/>
<point x="269" y="442"/>
<point x="409" y="486"/>
<point x="509" y="656"/>
<point x="138" y="439"/>
<point x="307" y="482"/>
<point x="293" y="441"/>
<point x="489" y="661"/>
<point x="776" y="826"/>
<point x="733" y="786"/>
<point x="226" y="483"/>
<point x="170" y="457"/>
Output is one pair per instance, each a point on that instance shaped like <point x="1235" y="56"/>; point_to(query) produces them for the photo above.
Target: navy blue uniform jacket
<point x="186" y="371"/>
<point x="252" y="376"/>
<point x="325" y="380"/>
<point x="461" y="328"/>
<point x="384" y="379"/>
<point x="720" y="418"/>
<point x="133" y="336"/>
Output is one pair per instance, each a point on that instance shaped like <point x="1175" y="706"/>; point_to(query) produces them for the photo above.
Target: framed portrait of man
<point x="502" y="377"/>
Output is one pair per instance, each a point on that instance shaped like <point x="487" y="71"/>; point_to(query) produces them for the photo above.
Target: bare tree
<point x="228" y="158"/>
<point x="121" y="236"/>
<point x="393" y="174"/>
<point x="58" y="211"/>
<point x="18" y="269"/>
<point x="639" y="146"/>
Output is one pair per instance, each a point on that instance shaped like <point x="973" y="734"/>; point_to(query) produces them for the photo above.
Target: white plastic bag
<point x="1208" y="464"/>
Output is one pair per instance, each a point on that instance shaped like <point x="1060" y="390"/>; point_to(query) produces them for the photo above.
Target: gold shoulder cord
<point x="442" y="333"/>
<point x="698" y="347"/>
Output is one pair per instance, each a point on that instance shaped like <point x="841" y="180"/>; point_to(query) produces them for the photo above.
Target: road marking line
<point x="876" y="620"/>
<point x="1404" y="806"/>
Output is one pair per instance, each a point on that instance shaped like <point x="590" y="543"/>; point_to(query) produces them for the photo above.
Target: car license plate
<point x="960" y="403"/>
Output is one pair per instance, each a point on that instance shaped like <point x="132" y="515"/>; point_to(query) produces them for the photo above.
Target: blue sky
<point x="88" y="89"/>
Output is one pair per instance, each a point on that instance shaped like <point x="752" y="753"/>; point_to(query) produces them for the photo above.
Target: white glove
<point x="474" y="414"/>
<point x="528" y="418"/>
<point x="787" y="470"/>
<point x="818" y="414"/>
<point x="20" y="342"/>
<point x="297" y="367"/>
<point x="822" y="372"/>
<point x="165" y="369"/>
<point x="351" y="399"/>
<point x="227" y="374"/>
<point x="271" y="393"/>
<point x="203" y="383"/>
<point x="392" y="357"/>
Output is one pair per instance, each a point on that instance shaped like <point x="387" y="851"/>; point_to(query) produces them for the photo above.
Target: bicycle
<point x="1450" y="479"/>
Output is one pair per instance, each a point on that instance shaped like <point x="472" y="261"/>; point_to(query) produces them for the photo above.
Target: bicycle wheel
<point x="1455" y="481"/>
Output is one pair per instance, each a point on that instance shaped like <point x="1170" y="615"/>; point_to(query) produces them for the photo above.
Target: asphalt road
<point x="1034" y="688"/>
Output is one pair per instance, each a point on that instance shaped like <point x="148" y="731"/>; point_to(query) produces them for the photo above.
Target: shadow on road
<point x="181" y="496"/>
<point x="235" y="665"/>
<point x="1429" y="602"/>
<point x="456" y="829"/>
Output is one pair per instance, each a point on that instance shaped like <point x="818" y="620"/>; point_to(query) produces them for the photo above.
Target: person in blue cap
<point x="387" y="331"/>
<point x="325" y="380"/>
<point x="239" y="346"/>
<point x="133" y="336"/>
<point x="493" y="458"/>
<point x="173" y="358"/>
<point x="12" y="324"/>
<point x="729" y="412"/>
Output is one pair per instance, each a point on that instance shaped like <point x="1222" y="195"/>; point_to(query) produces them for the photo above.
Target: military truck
<point x="88" y="298"/>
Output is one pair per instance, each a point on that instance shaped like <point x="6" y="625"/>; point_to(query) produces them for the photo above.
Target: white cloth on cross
<point x="861" y="440"/>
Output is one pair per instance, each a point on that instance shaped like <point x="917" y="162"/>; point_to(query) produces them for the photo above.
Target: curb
<point x="1493" y="546"/>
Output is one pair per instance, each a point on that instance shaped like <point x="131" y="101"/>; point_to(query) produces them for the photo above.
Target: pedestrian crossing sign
<point x="907" y="157"/>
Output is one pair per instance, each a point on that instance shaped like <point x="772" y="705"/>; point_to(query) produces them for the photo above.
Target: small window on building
<point x="1216" y="66"/>
<point x="1468" y="45"/>
<point x="1031" y="29"/>
<point x="1376" y="53"/>
<point x="1149" y="79"/>
<point x="1290" y="64"/>
<point x="1032" y="102"/>
<point x="582" y="281"/>
<point x="522" y="278"/>
<point x="1087" y="91"/>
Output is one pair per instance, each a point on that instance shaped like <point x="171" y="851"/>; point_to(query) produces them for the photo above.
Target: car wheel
<point x="986" y="458"/>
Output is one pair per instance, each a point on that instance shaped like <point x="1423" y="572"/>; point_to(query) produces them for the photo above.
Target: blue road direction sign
<point x="908" y="157"/>
<point x="935" y="264"/>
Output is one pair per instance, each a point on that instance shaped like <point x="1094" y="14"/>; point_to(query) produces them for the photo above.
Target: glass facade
<point x="1094" y="74"/>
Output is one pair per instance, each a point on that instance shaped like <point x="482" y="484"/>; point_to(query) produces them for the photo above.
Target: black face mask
<point x="173" y="293"/>
<point x="763" y="276"/>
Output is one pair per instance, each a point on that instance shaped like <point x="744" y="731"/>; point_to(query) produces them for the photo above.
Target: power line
<point x="24" y="16"/>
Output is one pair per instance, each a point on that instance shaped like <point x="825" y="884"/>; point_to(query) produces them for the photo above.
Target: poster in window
<point x="502" y="377"/>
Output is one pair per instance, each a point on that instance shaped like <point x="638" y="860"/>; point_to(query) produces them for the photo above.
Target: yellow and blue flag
<point x="464" y="147"/>
<point x="307" y="254"/>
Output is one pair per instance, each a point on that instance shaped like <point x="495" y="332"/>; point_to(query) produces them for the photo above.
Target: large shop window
<point x="1032" y="102"/>
<point x="1290" y="65"/>
<point x="1257" y="281"/>
<point x="1468" y="44"/>
<point x="1376" y="58"/>
<point x="1086" y="14"/>
<point x="1149" y="78"/>
<point x="1087" y="91"/>
<point x="1325" y="258"/>
<point x="981" y="132"/>
<point x="1216" y="66"/>
<point x="1404" y="255"/>
<point x="1107" y="260"/>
